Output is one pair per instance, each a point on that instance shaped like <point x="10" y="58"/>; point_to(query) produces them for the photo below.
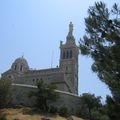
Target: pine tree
<point x="45" y="94"/>
<point x="102" y="43"/>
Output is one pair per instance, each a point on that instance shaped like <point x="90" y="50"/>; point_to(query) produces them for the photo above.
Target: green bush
<point x="53" y="110"/>
<point x="5" y="93"/>
<point x="2" y="117"/>
<point x="104" y="117"/>
<point x="63" y="111"/>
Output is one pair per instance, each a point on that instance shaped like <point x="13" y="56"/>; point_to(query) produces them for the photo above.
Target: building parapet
<point x="43" y="71"/>
<point x="35" y="87"/>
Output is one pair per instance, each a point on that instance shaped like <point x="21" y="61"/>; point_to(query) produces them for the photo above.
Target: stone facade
<point x="20" y="97"/>
<point x="65" y="77"/>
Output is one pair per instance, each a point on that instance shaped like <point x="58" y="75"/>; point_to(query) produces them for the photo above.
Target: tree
<point x="45" y="94"/>
<point x="102" y="43"/>
<point x="113" y="108"/>
<point x="90" y="106"/>
<point x="5" y="92"/>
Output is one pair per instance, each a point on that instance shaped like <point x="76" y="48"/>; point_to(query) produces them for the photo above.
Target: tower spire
<point x="70" y="38"/>
<point x="70" y="28"/>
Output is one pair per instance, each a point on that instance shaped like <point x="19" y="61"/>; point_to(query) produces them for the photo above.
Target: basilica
<point x="65" y="76"/>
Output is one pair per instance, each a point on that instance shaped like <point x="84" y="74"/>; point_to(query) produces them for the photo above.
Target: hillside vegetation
<point x="26" y="113"/>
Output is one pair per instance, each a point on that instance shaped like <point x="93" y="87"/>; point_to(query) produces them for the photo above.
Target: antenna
<point x="22" y="54"/>
<point x="52" y="59"/>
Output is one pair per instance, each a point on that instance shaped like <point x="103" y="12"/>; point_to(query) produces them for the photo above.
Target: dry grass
<point x="25" y="113"/>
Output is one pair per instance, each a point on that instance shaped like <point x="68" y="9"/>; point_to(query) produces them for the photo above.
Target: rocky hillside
<point x="28" y="114"/>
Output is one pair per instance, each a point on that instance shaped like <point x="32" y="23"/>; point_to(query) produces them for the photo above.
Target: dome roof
<point x="21" y="60"/>
<point x="20" y="64"/>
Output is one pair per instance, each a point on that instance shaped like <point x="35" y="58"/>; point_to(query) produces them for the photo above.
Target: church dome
<point x="20" y="65"/>
<point x="21" y="60"/>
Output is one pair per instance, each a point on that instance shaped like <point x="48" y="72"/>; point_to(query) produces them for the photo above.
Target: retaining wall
<point x="20" y="97"/>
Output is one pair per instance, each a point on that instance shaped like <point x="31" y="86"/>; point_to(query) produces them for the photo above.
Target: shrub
<point x="2" y="117"/>
<point x="5" y="92"/>
<point x="53" y="109"/>
<point x="64" y="111"/>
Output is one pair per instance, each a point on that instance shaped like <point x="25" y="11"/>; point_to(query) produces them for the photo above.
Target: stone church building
<point x="65" y="76"/>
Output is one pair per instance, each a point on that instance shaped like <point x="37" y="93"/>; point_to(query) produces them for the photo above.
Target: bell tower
<point x="69" y="60"/>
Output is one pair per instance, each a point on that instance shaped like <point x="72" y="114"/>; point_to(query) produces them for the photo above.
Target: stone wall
<point x="20" y="97"/>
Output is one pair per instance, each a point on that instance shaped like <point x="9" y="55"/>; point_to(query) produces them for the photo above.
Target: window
<point x="67" y="56"/>
<point x="9" y="76"/>
<point x="15" y="67"/>
<point x="66" y="68"/>
<point x="21" y="68"/>
<point x="63" y="54"/>
<point x="70" y="53"/>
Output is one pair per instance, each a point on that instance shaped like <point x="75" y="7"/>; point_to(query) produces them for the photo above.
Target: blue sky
<point x="35" y="27"/>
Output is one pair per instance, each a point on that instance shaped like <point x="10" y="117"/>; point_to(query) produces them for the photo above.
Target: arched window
<point x="70" y="53"/>
<point x="63" y="54"/>
<point x="67" y="55"/>
<point x="15" y="67"/>
<point x="21" y="67"/>
<point x="66" y="68"/>
<point x="9" y="76"/>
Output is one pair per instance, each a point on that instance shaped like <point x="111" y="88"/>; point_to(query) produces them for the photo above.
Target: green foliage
<point x="97" y="115"/>
<point x="2" y="117"/>
<point x="45" y="94"/>
<point x="102" y="43"/>
<point x="91" y="107"/>
<point x="53" y="110"/>
<point x="91" y="101"/>
<point x="113" y="108"/>
<point x="104" y="117"/>
<point x="5" y="92"/>
<point x="64" y="111"/>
